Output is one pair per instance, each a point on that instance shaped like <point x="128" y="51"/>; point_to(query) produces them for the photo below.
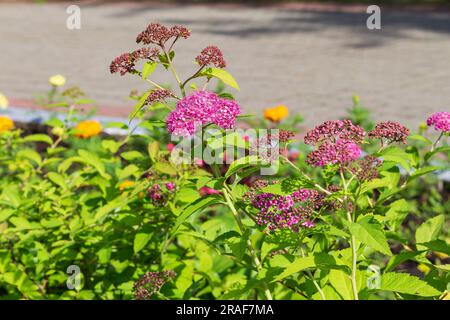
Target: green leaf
<point x="297" y="265"/>
<point x="418" y="137"/>
<point x="140" y="240"/>
<point x="165" y="168"/>
<point x="405" y="283"/>
<point x="397" y="212"/>
<point x="221" y="75"/>
<point x="148" y="69"/>
<point x="429" y="230"/>
<point x="397" y="156"/>
<point x="57" y="179"/>
<point x="93" y="160"/>
<point x="111" y="145"/>
<point x="341" y="281"/>
<point x="192" y="208"/>
<point x="370" y="232"/>
<point x="241" y="163"/>
<point x="30" y="155"/>
<point x="319" y="260"/>
<point x="437" y="246"/>
<point x="131" y="155"/>
<point x="40" y="137"/>
<point x="138" y="106"/>
<point x="430" y="154"/>
<point x="153" y="150"/>
<point x="399" y="258"/>
<point x="422" y="171"/>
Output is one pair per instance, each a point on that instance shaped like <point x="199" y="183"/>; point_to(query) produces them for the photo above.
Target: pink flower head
<point x="201" y="108"/>
<point x="211" y="55"/>
<point x="290" y="211"/>
<point x="342" y="152"/>
<point x="158" y="34"/>
<point x="157" y="95"/>
<point x="308" y="224"/>
<point x="122" y="64"/>
<point x="391" y="131"/>
<point x="440" y="121"/>
<point x="335" y="130"/>
<point x="170" y="186"/>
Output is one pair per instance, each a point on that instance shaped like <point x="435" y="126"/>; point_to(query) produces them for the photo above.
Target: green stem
<point x="310" y="275"/>
<point x="180" y="84"/>
<point x="437" y="141"/>
<point x="249" y="243"/>
<point x="307" y="177"/>
<point x="352" y="240"/>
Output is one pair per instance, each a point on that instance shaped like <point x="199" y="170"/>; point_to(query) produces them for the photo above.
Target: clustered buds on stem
<point x="391" y="131"/>
<point x="211" y="55"/>
<point x="292" y="211"/>
<point x="151" y="283"/>
<point x="126" y="62"/>
<point x="366" y="169"/>
<point x="342" y="152"/>
<point x="158" y="34"/>
<point x="335" y="130"/>
<point x="158" y="95"/>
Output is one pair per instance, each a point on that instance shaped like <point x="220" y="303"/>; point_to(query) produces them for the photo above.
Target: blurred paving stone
<point x="311" y="60"/>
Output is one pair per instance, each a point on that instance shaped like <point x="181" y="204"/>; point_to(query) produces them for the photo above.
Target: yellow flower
<point x="88" y="128"/>
<point x="277" y="113"/>
<point x="57" y="80"/>
<point x="6" y="123"/>
<point x="3" y="101"/>
<point x="125" y="185"/>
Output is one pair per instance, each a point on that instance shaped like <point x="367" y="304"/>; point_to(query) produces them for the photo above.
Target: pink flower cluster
<point x="391" y="131"/>
<point x="440" y="121"/>
<point x="335" y="130"/>
<point x="158" y="34"/>
<point x="151" y="283"/>
<point x="201" y="108"/>
<point x="126" y="62"/>
<point x="342" y="152"/>
<point x="291" y="211"/>
<point x="157" y="95"/>
<point x="337" y="143"/>
<point x="211" y="55"/>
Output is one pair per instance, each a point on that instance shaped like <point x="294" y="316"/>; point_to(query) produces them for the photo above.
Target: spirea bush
<point x="346" y="210"/>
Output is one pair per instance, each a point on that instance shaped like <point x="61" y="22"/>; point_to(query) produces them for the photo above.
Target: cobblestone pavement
<point x="311" y="60"/>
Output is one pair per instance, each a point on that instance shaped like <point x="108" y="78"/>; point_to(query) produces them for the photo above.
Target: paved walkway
<point x="312" y="59"/>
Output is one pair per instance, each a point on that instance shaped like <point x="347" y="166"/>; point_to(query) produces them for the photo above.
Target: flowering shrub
<point x="341" y="217"/>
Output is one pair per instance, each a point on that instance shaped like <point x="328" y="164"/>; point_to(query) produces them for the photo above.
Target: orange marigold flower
<point x="126" y="184"/>
<point x="6" y="123"/>
<point x="277" y="113"/>
<point x="88" y="128"/>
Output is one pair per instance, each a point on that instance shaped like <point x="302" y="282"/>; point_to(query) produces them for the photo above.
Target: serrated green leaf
<point x="429" y="230"/>
<point x="405" y="283"/>
<point x="370" y="232"/>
